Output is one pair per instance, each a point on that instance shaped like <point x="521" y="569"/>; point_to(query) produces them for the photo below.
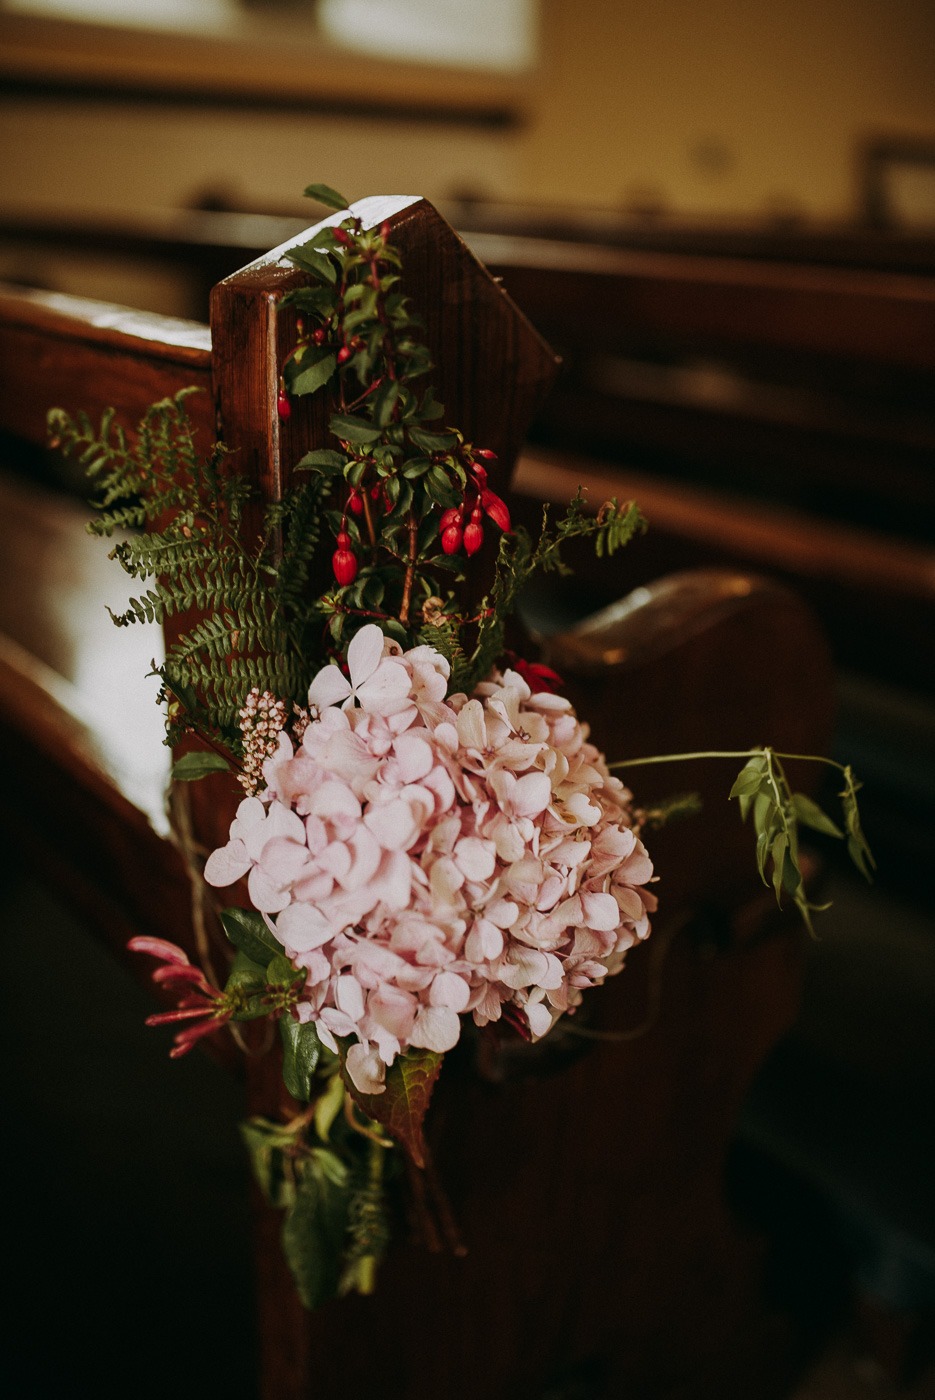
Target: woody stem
<point x="410" y="570"/>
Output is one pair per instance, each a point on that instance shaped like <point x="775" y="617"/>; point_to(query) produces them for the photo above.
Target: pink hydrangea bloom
<point x="424" y="857"/>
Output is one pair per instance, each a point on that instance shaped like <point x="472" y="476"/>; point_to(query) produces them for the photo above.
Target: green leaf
<point x="857" y="846"/>
<point x="402" y="1106"/>
<point x="384" y="401"/>
<point x="351" y="429"/>
<point x="281" y="973"/>
<point x="749" y="777"/>
<point x="301" y="1053"/>
<point x="192" y="766"/>
<point x="314" y="376"/>
<point x="249" y="979"/>
<point x="433" y="442"/>
<point x="329" y="1106"/>
<point x="313" y="1235"/>
<point x="325" y="195"/>
<point x="309" y="259"/>
<point x="810" y="814"/>
<point x="265" y="1143"/>
<point x="321" y="457"/>
<point x="248" y="931"/>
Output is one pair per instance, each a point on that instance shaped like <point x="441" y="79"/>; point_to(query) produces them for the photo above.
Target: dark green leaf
<point x="313" y="1236"/>
<point x="248" y="931"/>
<point x="433" y="442"/>
<point x="314" y="376"/>
<point x="192" y="766"/>
<point x="384" y="401"/>
<point x="351" y="429"/>
<point x="321" y="457"/>
<point x="325" y="195"/>
<point x="301" y="1053"/>
<point x="317" y="263"/>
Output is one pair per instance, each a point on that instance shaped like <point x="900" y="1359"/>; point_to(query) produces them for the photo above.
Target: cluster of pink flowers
<point x="422" y="856"/>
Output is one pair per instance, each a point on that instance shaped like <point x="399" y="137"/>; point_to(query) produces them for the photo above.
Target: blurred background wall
<point x="736" y="107"/>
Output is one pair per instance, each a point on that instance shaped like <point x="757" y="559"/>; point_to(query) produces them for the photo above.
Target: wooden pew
<point x="576" y="1176"/>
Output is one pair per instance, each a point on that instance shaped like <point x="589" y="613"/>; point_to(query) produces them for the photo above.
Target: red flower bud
<point x="452" y="536"/>
<point x="473" y="536"/>
<point x="537" y="676"/>
<point x="318" y="337"/>
<point x="355" y="502"/>
<point x="479" y="473"/>
<point x="283" y="406"/>
<point x="496" y="509"/>
<point x="453" y="516"/>
<point x="385" y="230"/>
<point x="486" y="453"/>
<point x="342" y="236"/>
<point x="344" y="561"/>
<point x="344" y="354"/>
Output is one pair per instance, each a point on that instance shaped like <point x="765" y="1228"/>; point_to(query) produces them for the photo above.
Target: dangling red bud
<point x="452" y="536"/>
<point x="283" y="406"/>
<point x="317" y="337"/>
<point x="344" y="560"/>
<point x="344" y="354"/>
<point x="496" y="509"/>
<point x="355" y="503"/>
<point x="452" y="516"/>
<point x="479" y="473"/>
<point x="486" y="453"/>
<point x="473" y="535"/>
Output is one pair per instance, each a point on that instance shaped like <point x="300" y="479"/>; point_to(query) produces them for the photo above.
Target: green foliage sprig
<point x="763" y="789"/>
<point x="191" y="545"/>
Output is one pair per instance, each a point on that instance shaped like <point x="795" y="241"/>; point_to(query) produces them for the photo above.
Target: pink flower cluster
<point x="422" y="855"/>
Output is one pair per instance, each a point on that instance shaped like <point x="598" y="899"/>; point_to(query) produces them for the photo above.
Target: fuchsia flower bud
<point x="497" y="509"/>
<point x="355" y="503"/>
<point x="283" y="406"/>
<point x="474" y="534"/>
<point x="344" y="560"/>
<point x="344" y="354"/>
<point x="452" y="537"/>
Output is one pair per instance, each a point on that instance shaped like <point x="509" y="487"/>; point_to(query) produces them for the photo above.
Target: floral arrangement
<point x="426" y="838"/>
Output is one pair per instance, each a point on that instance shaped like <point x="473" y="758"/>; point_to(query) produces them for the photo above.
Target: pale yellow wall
<point x="783" y="89"/>
<point x="726" y="106"/>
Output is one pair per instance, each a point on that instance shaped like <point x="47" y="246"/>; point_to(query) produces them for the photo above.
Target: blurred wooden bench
<point x="589" y="1185"/>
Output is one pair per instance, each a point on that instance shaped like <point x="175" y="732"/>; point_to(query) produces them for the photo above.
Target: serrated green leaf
<point x="810" y="814"/>
<point x="301" y="1054"/>
<point x="433" y="442"/>
<point x="402" y="1106"/>
<point x="349" y="428"/>
<point x="192" y="766"/>
<point x="321" y="457"/>
<point x="315" y="376"/>
<point x="325" y="195"/>
<point x="247" y="930"/>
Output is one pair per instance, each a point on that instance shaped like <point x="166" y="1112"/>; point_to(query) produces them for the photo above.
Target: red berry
<point x="451" y="539"/>
<point x="283" y="406"/>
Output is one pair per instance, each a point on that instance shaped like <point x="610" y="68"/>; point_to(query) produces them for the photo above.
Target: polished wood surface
<point x="588" y="1176"/>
